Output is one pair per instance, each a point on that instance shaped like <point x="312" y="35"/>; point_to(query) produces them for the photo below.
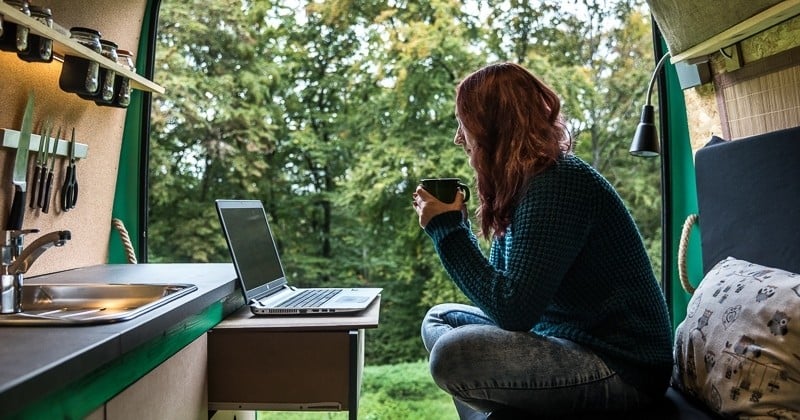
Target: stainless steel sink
<point x="91" y="303"/>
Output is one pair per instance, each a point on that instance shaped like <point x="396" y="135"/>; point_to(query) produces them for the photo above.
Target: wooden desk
<point x="288" y="363"/>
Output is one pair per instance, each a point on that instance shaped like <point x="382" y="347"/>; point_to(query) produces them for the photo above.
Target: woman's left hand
<point x="427" y="206"/>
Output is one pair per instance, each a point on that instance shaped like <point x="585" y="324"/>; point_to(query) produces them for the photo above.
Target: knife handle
<point x="40" y="195"/>
<point x="17" y="210"/>
<point x="47" y="189"/>
<point x="34" y="185"/>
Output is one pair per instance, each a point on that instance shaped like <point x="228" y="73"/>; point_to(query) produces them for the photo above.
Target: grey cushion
<point x="748" y="194"/>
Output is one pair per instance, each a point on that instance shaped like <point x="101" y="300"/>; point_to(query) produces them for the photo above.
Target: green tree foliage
<point x="330" y="112"/>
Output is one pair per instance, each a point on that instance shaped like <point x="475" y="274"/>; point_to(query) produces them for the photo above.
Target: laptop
<point x="266" y="288"/>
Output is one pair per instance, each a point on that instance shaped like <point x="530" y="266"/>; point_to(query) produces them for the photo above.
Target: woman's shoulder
<point x="571" y="166"/>
<point x="571" y="174"/>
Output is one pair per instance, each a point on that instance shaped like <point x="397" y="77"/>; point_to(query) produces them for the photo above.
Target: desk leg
<point x="356" y="338"/>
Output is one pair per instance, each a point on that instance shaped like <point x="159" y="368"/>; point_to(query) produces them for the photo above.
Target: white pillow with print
<point x="738" y="350"/>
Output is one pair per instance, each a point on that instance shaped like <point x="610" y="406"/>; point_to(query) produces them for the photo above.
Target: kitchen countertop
<point x="39" y="360"/>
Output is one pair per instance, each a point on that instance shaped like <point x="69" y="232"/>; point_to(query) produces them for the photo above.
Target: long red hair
<point x="515" y="121"/>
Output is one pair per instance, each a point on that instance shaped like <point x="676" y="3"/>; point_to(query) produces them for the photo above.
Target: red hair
<point x="515" y="122"/>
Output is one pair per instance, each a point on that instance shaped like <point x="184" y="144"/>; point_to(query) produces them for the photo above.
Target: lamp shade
<point x="645" y="141"/>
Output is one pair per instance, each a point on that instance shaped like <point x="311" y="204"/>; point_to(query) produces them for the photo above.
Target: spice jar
<point x="80" y="75"/>
<point x="123" y="84"/>
<point x="107" y="75"/>
<point x="15" y="37"/>
<point x="39" y="48"/>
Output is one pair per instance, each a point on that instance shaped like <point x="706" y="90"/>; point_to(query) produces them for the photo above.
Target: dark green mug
<point x="445" y="189"/>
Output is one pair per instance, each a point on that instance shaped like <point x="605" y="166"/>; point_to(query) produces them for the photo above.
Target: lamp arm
<point x="654" y="76"/>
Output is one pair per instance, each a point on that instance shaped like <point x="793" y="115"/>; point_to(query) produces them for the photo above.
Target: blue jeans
<point x="487" y="368"/>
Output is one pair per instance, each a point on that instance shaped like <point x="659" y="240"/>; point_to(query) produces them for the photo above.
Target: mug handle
<point x="465" y="189"/>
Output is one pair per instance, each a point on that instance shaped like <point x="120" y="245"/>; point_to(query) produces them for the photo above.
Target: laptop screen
<point x="252" y="246"/>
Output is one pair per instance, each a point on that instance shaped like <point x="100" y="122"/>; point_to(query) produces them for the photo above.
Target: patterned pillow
<point x="738" y="350"/>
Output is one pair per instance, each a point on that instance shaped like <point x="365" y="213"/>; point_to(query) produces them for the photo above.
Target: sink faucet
<point x="16" y="260"/>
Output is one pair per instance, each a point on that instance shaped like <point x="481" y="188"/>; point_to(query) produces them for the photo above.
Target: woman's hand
<point x="427" y="206"/>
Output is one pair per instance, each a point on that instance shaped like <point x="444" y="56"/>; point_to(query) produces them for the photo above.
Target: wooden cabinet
<point x="174" y="390"/>
<point x="288" y="363"/>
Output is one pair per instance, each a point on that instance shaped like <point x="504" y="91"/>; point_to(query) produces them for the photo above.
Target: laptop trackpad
<point x="352" y="299"/>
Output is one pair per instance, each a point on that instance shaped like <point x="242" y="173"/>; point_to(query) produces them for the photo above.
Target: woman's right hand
<point x="427" y="206"/>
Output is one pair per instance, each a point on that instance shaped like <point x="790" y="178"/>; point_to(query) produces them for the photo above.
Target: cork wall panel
<point x="779" y="38"/>
<point x="702" y="114"/>
<point x="101" y="128"/>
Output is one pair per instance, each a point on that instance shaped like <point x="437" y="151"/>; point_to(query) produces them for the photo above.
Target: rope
<point x="126" y="240"/>
<point x="682" y="248"/>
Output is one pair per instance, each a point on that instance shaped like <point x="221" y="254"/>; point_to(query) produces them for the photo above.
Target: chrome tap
<point x="17" y="259"/>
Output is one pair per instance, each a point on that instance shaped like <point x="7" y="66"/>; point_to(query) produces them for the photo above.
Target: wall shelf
<point x="774" y="15"/>
<point x="63" y="45"/>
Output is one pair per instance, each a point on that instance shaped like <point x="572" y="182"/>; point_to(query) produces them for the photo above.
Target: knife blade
<point x="19" y="178"/>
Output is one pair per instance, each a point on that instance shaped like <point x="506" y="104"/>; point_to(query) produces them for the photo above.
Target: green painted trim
<point x="127" y="202"/>
<point x="683" y="194"/>
<point x="82" y="397"/>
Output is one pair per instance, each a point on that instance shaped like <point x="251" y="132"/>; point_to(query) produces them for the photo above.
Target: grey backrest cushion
<point x="748" y="194"/>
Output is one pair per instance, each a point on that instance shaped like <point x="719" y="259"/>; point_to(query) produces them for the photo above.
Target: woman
<point x="567" y="316"/>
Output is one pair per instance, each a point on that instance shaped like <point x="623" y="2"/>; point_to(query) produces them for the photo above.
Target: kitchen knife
<point x="40" y="155"/>
<point x="49" y="184"/>
<point x="39" y="191"/>
<point x="21" y="169"/>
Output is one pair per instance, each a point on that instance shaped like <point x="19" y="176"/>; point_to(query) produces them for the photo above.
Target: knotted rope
<point x="126" y="240"/>
<point x="683" y="246"/>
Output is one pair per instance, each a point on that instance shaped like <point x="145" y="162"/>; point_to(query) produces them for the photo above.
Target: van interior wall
<point x="101" y="128"/>
<point x="754" y="94"/>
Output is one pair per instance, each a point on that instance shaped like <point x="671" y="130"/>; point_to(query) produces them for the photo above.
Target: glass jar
<point x="107" y="75"/>
<point x="80" y="75"/>
<point x="40" y="48"/>
<point x="123" y="84"/>
<point x="15" y="37"/>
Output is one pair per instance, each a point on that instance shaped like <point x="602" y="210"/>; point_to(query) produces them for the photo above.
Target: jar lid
<point x="124" y="52"/>
<point x="20" y="3"/>
<point x="108" y="43"/>
<point x="41" y="11"/>
<point x="84" y="30"/>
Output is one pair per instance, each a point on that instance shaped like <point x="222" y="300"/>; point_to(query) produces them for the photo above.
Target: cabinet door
<point x="176" y="389"/>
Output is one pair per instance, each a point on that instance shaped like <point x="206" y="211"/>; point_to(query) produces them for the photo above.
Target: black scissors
<point x="69" y="192"/>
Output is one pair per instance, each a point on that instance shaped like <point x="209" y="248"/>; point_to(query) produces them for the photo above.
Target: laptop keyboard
<point x="310" y="298"/>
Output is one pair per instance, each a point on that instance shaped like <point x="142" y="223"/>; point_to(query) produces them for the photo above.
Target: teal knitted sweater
<point x="571" y="265"/>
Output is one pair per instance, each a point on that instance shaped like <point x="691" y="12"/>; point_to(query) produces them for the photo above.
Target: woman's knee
<point x="444" y="317"/>
<point x="437" y="312"/>
<point x="457" y="355"/>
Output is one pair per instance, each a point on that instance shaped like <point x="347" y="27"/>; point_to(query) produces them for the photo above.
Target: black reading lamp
<point x="645" y="141"/>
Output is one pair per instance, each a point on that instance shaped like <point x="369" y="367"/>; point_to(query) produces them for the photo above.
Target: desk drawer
<point x="283" y="370"/>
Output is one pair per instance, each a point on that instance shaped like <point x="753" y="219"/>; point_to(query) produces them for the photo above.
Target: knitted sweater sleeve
<point x="526" y="266"/>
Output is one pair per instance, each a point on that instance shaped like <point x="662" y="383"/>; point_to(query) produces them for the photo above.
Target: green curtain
<point x="680" y="198"/>
<point x="129" y="203"/>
